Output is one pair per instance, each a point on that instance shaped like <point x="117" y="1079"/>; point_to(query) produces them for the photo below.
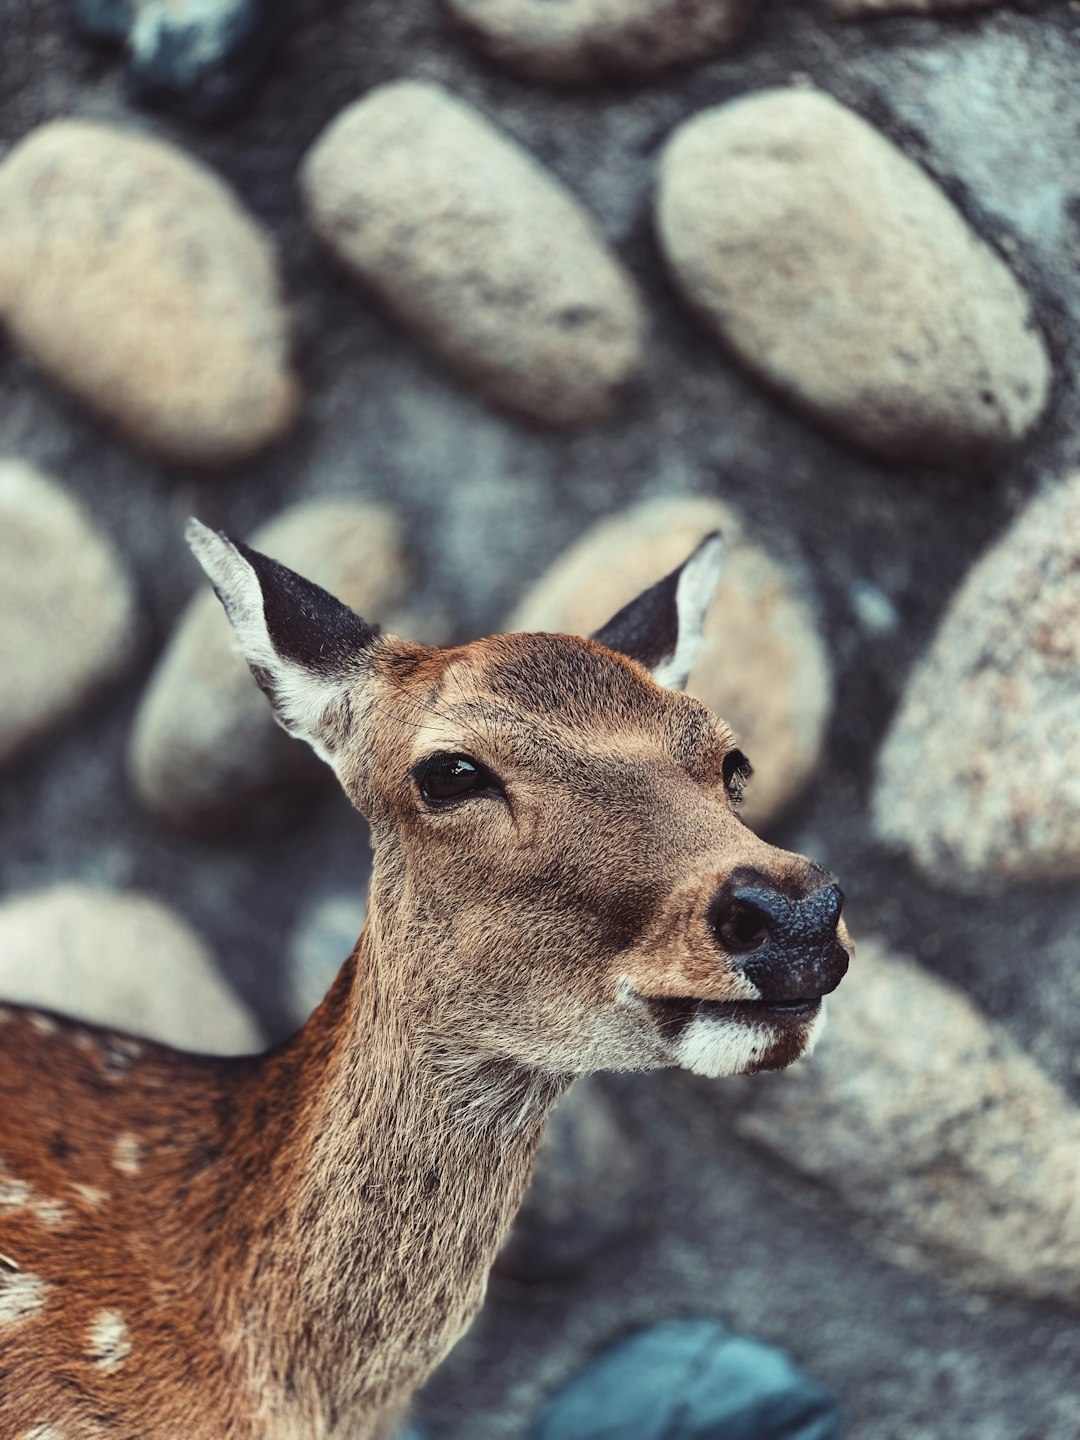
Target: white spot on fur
<point x="693" y="596"/>
<point x="118" y="1056"/>
<point x="91" y="1194"/>
<point x="44" y="1432"/>
<point x="49" y="1212"/>
<point x="86" y="1042"/>
<point x="44" y="1024"/>
<point x="714" y="1047"/>
<point x="16" y="1194"/>
<point x="109" y="1345"/>
<point x="13" y="1192"/>
<point x="21" y="1295"/>
<point x="127" y="1154"/>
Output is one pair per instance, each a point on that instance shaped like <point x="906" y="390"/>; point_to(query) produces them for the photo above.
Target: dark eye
<point x="736" y="771"/>
<point x="442" y="779"/>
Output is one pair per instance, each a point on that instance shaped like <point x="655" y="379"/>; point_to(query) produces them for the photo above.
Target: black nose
<point x="787" y="948"/>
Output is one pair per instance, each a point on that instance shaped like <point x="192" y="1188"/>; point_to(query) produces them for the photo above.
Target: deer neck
<point x="395" y="1173"/>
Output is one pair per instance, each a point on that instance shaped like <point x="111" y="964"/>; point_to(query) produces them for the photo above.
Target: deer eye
<point x="442" y="779"/>
<point x="736" y="771"/>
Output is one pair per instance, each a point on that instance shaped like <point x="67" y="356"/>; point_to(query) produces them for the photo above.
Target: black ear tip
<point x="714" y="541"/>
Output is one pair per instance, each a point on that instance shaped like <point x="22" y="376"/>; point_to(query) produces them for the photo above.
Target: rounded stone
<point x="120" y="960"/>
<point x="584" y="40"/>
<point x="763" y="666"/>
<point x="588" y="1193"/>
<point x="958" y="1153"/>
<point x="205" y="747"/>
<point x="838" y="271"/>
<point x="67" y="612"/>
<point x="979" y="776"/>
<point x="471" y="243"/>
<point x="134" y="278"/>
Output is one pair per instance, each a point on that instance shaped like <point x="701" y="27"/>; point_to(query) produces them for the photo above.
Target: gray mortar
<point x="988" y="103"/>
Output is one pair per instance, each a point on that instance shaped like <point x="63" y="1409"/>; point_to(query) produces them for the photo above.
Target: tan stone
<point x="120" y="960"/>
<point x="66" y="606"/>
<point x="477" y="248"/>
<point x="979" y="776"/>
<point x="763" y="666"/>
<point x="581" y="40"/>
<point x="956" y="1151"/>
<point x="205" y="746"/>
<point x="134" y="278"/>
<point x="840" y="273"/>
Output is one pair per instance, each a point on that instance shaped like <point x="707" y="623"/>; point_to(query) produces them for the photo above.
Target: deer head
<point x="561" y="878"/>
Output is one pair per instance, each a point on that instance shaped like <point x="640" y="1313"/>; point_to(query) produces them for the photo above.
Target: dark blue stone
<point x="200" y="60"/>
<point x="690" y="1380"/>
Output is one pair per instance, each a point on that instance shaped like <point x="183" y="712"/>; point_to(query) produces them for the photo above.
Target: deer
<point x="283" y="1246"/>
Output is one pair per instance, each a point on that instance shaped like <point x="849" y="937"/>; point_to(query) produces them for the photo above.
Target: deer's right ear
<point x="305" y="648"/>
<point x="662" y="628"/>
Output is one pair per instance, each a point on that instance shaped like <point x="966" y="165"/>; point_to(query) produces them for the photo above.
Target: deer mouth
<point x="673" y="1015"/>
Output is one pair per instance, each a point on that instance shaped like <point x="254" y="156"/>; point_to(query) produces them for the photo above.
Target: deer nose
<point x="787" y="948"/>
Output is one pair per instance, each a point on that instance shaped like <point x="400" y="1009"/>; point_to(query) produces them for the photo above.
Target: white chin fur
<point x="713" y="1047"/>
<point x="721" y="1047"/>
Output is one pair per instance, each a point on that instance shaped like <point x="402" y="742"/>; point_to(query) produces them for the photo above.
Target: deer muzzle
<point x="788" y="947"/>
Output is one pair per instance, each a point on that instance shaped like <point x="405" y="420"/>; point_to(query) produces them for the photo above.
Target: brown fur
<point x="284" y="1246"/>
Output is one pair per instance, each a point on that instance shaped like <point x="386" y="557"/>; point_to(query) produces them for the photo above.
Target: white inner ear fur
<point x="300" y="698"/>
<point x="693" y="595"/>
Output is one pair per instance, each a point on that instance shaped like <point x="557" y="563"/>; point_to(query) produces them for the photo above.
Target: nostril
<point x="828" y="901"/>
<point x="741" y="927"/>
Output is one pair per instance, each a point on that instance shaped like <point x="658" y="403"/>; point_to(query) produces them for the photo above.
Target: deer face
<point x="560" y="865"/>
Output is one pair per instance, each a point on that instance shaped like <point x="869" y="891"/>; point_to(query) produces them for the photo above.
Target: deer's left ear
<point x="305" y="649"/>
<point x="661" y="629"/>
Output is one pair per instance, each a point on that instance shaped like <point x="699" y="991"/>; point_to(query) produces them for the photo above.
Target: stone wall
<point x="479" y="313"/>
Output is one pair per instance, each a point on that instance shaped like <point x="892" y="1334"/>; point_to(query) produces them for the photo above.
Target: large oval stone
<point x="205" y="749"/>
<point x="67" y="608"/>
<point x="582" y="40"/>
<point x="840" y="273"/>
<point x="477" y="248"/>
<point x="956" y="1153"/>
<point x="763" y="666"/>
<point x="135" y="279"/>
<point x="121" y="960"/>
<point x="979" y="777"/>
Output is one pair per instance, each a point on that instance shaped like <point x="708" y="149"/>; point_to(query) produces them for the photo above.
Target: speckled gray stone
<point x="67" y="611"/>
<point x="840" y="273"/>
<point x="120" y="960"/>
<point x="979" y="777"/>
<point x="590" y="1191"/>
<point x="958" y="1153"/>
<point x="470" y="241"/>
<point x="136" y="280"/>
<point x="583" y="40"/>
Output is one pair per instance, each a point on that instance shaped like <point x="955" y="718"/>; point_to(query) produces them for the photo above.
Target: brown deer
<point x="282" y="1247"/>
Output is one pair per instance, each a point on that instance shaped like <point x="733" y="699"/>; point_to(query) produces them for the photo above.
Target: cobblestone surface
<point x="984" y="105"/>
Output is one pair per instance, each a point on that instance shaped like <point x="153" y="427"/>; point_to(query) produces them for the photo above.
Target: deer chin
<point x="714" y="1038"/>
